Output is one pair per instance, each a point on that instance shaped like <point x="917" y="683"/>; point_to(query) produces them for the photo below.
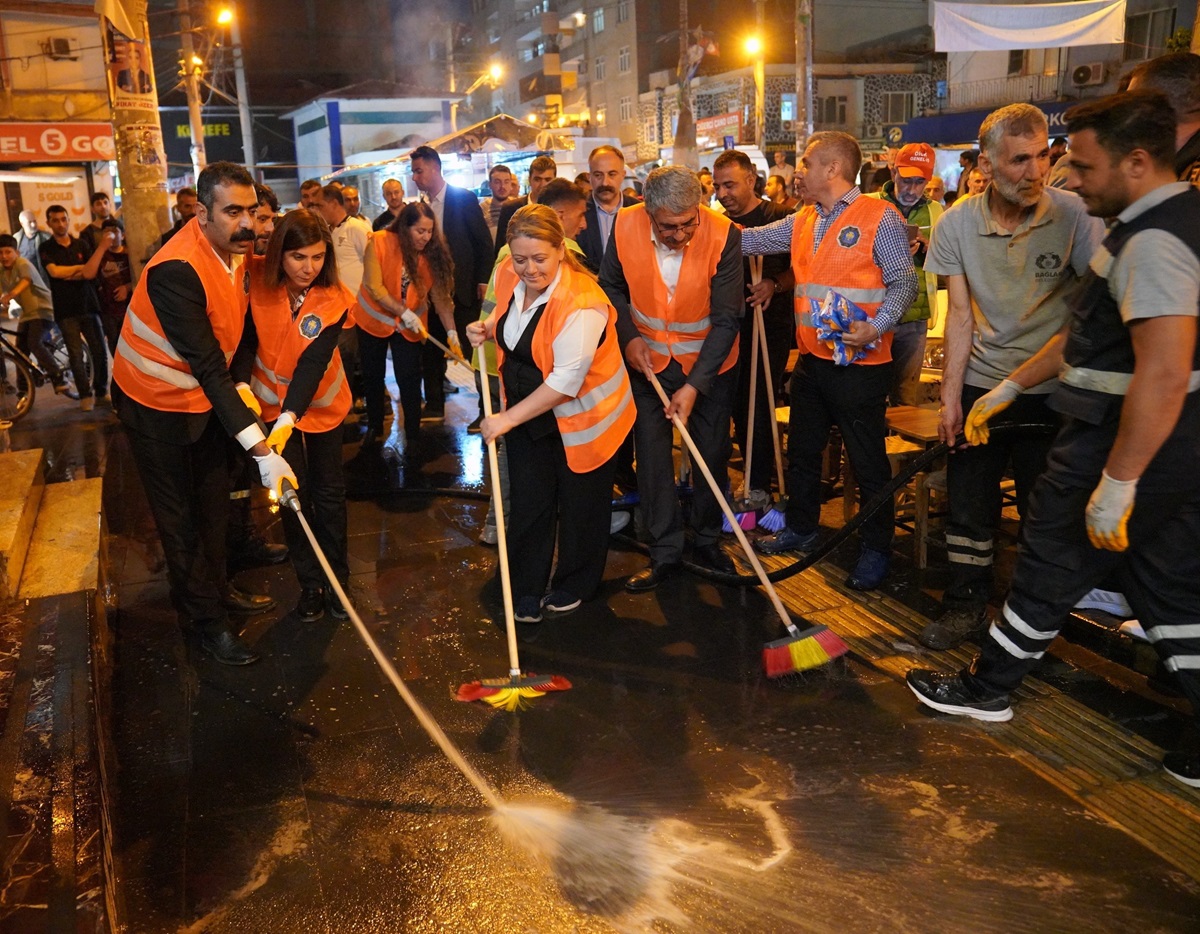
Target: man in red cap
<point x="911" y="172"/>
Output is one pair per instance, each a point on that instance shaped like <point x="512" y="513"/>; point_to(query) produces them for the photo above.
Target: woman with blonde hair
<point x="568" y="407"/>
<point x="406" y="266"/>
<point x="289" y="357"/>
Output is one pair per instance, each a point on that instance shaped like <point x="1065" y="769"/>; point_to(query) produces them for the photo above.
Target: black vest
<point x="1099" y="339"/>
<point x="522" y="376"/>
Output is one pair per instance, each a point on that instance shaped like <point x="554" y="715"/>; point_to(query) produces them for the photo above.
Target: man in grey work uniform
<point x="1010" y="255"/>
<point x="1119" y="493"/>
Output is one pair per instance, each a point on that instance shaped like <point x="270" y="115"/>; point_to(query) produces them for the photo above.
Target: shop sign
<point x="56" y="142"/>
<point x="711" y="131"/>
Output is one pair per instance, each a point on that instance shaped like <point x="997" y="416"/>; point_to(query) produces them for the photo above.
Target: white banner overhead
<point x="988" y="27"/>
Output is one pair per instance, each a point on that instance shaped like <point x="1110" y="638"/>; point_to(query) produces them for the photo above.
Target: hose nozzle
<point x="289" y="497"/>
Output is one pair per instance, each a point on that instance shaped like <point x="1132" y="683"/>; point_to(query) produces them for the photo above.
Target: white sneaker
<point x="1107" y="600"/>
<point x="1133" y="629"/>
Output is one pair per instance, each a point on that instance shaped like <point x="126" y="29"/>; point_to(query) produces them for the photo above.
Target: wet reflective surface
<point x="673" y="788"/>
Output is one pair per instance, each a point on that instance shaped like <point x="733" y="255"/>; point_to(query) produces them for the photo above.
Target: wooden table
<point x="914" y="422"/>
<point x="919" y="425"/>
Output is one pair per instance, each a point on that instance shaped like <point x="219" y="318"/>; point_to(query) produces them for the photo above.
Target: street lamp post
<point x="491" y="77"/>
<point x="754" y="47"/>
<point x="190" y="68"/>
<point x="228" y="17"/>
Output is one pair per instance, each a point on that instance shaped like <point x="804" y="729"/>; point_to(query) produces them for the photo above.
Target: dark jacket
<point x="510" y="208"/>
<point x="470" y="244"/>
<point x="589" y="237"/>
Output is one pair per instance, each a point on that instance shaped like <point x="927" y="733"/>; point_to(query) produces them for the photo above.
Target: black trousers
<point x="31" y="338"/>
<point x="1056" y="565"/>
<point x="316" y="458"/>
<point x="407" y="359"/>
<point x="76" y="329"/>
<point x="779" y="330"/>
<point x="654" y="434"/>
<point x="188" y="489"/>
<point x="973" y="479"/>
<point x="854" y="398"/>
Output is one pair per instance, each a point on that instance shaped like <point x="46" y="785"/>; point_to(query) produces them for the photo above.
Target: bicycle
<point x="17" y="394"/>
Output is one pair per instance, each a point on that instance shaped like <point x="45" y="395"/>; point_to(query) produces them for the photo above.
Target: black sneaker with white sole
<point x="528" y="610"/>
<point x="560" y="603"/>
<point x="949" y="693"/>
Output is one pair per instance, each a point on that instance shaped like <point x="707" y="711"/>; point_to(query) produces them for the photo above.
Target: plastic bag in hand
<point x="832" y="318"/>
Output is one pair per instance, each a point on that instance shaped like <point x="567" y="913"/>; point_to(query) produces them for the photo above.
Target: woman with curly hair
<point x="406" y="266"/>
<point x="289" y="357"/>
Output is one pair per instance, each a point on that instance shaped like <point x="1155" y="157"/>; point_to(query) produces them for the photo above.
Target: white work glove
<point x="1108" y="513"/>
<point x="410" y="320"/>
<point x="453" y="343"/>
<point x="986" y="407"/>
<point x="273" y="470"/>
<point x="280" y="432"/>
<point x="248" y="397"/>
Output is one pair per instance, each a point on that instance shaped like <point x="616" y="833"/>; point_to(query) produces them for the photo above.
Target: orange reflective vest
<point x="595" y="423"/>
<point x="674" y="326"/>
<point x="373" y="318"/>
<point x="283" y="337"/>
<point x="844" y="263"/>
<point x="146" y="366"/>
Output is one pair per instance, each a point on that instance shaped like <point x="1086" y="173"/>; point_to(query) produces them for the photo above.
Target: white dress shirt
<point x="438" y="204"/>
<point x="574" y="346"/>
<point x="669" y="263"/>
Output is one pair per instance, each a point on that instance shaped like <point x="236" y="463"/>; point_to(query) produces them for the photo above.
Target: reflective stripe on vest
<point x="679" y="327"/>
<point x="144" y="331"/>
<point x="1114" y="384"/>
<point x="177" y="378"/>
<point x="583" y="436"/>
<point x="590" y="399"/>
<point x="364" y="302"/>
<point x="858" y="296"/>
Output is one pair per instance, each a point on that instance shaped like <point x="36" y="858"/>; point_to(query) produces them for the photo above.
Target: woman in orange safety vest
<point x="406" y="266"/>
<point x="568" y="407"/>
<point x="289" y="356"/>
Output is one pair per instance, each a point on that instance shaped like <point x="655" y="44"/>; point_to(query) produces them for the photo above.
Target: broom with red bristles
<point x="800" y="649"/>
<point x="519" y="687"/>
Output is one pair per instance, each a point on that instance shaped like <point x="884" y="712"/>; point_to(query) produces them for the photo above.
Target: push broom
<point x="504" y="693"/>
<point x="800" y="649"/>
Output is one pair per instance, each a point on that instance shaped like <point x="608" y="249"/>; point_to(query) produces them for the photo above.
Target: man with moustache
<point x="606" y="173"/>
<point x="180" y="404"/>
<point x="1010" y="255"/>
<point x="733" y="182"/>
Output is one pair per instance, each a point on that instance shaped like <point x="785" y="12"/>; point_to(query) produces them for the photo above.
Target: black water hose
<point x="884" y="497"/>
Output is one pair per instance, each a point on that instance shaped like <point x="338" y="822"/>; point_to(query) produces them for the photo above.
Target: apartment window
<point x="601" y="115"/>
<point x="787" y="107"/>
<point x="525" y="55"/>
<point x="650" y="131"/>
<point x="898" y="106"/>
<point x="1146" y="34"/>
<point x="623" y="60"/>
<point x="493" y="36"/>
<point x="601" y="69"/>
<point x="626" y="109"/>
<point x="582" y="68"/>
<point x="598" y="20"/>
<point x="623" y="11"/>
<point x="831" y="111"/>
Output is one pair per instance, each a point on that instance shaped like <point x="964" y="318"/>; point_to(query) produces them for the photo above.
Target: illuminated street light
<point x="225" y="17"/>
<point x="532" y="118"/>
<point x="754" y="46"/>
<point x="491" y="77"/>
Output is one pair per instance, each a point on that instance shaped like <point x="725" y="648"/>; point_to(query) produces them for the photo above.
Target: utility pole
<point x="685" y="129"/>
<point x="804" y="79"/>
<point x="760" y="77"/>
<point x="141" y="162"/>
<point x="243" y="96"/>
<point x="190" y="72"/>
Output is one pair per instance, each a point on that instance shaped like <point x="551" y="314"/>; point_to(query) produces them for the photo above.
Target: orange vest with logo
<point x="595" y="423"/>
<point x="376" y="320"/>
<point x="675" y="326"/>
<point x="843" y="263"/>
<point x="283" y="337"/>
<point x="146" y="366"/>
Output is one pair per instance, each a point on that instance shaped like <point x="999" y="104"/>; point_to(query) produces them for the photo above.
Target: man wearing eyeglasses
<point x="857" y="247"/>
<point x="674" y="275"/>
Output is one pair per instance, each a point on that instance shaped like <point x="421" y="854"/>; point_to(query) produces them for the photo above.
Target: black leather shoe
<point x="714" y="558"/>
<point x="255" y="552"/>
<point x="227" y="648"/>
<point x="647" y="579"/>
<point x="249" y="604"/>
<point x="311" y="606"/>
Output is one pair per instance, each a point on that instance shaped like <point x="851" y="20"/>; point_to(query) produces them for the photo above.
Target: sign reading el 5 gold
<point x="56" y="142"/>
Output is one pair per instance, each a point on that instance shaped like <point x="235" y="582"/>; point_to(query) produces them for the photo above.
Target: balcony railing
<point x="996" y="92"/>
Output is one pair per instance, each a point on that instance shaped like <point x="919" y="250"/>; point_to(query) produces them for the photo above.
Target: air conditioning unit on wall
<point x="62" y="49"/>
<point x="1086" y="75"/>
<point x="873" y="131"/>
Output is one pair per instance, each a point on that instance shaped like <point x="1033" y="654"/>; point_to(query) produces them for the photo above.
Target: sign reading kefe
<point x="56" y="142"/>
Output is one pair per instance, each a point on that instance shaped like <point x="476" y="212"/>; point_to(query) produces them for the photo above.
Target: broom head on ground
<point x="511" y="693"/>
<point x="802" y="649"/>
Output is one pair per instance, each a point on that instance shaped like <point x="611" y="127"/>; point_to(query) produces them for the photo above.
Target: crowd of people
<point x="1070" y="361"/>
